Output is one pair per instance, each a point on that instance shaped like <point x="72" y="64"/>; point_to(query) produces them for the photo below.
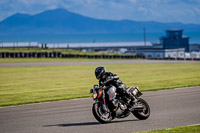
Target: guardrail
<point x="60" y="55"/>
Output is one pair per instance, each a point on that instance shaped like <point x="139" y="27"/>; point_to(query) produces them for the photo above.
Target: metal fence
<point x="60" y="55"/>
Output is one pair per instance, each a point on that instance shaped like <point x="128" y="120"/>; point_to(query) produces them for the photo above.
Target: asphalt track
<point x="90" y="63"/>
<point x="169" y="108"/>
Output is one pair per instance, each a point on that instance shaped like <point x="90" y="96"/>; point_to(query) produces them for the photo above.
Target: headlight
<point x="95" y="95"/>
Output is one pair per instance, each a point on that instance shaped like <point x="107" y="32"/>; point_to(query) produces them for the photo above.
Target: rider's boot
<point x="115" y="103"/>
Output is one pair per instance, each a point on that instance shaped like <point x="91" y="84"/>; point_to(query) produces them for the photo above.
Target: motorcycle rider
<point x="110" y="79"/>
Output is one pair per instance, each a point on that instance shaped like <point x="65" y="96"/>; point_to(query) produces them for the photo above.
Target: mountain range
<point x="61" y="21"/>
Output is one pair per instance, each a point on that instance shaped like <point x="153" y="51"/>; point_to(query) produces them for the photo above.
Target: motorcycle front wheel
<point x="100" y="114"/>
<point x="144" y="113"/>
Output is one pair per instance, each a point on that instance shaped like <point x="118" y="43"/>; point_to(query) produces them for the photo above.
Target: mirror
<point x="91" y="90"/>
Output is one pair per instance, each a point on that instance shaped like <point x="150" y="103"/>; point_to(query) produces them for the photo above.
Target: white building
<point x="195" y="55"/>
<point x="160" y="53"/>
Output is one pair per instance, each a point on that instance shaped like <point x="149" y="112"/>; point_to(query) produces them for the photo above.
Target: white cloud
<point x="197" y="10"/>
<point x="143" y="10"/>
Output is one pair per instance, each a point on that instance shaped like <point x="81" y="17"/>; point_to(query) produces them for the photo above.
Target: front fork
<point x="105" y="108"/>
<point x="104" y="97"/>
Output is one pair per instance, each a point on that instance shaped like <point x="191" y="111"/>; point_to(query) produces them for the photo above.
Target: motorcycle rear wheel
<point x="100" y="115"/>
<point x="142" y="114"/>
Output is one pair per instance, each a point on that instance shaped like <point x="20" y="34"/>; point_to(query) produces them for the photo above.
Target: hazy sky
<point x="185" y="11"/>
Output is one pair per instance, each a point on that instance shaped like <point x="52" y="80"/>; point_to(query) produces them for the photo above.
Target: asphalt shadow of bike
<point x="86" y="123"/>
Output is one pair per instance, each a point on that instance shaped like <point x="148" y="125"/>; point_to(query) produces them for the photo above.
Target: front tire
<point x="100" y="114"/>
<point x="142" y="114"/>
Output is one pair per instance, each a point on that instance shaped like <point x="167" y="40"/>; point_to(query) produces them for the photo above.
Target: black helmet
<point x="99" y="71"/>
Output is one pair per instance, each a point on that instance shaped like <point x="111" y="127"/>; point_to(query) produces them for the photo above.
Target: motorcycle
<point x="105" y="110"/>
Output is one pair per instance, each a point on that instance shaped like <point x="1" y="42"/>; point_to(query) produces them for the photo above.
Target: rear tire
<point x="100" y="115"/>
<point x="142" y="114"/>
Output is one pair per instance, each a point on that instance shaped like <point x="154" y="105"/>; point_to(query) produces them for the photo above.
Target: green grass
<point x="21" y="85"/>
<point x="185" y="129"/>
<point x="28" y="60"/>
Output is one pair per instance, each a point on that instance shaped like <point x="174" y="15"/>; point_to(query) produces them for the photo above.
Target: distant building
<point x="160" y="53"/>
<point x="195" y="55"/>
<point x="174" y="39"/>
<point x="194" y="47"/>
<point x="104" y="46"/>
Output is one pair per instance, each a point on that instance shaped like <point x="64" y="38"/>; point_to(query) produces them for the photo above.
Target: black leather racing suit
<point x="113" y="80"/>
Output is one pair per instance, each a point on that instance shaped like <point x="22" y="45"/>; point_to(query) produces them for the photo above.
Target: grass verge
<point x="30" y="60"/>
<point x="22" y="85"/>
<point x="184" y="129"/>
